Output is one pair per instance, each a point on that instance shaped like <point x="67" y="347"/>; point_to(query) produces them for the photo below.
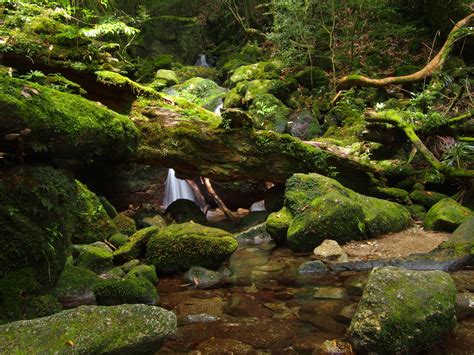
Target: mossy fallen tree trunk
<point x="38" y="121"/>
<point x="432" y="67"/>
<point x="231" y="150"/>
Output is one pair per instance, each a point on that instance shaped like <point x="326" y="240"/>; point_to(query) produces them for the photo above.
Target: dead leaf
<point x="12" y="136"/>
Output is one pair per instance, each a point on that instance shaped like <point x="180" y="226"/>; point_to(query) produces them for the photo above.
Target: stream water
<point x="267" y="306"/>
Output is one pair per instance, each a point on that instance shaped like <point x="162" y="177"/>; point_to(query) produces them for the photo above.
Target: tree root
<point x="394" y="118"/>
<point x="434" y="65"/>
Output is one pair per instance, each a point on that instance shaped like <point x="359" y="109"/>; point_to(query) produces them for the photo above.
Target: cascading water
<point x="219" y="107"/>
<point x="202" y="61"/>
<point x="176" y="189"/>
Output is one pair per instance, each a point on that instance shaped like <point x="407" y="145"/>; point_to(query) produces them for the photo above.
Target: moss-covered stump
<point x="41" y="211"/>
<point x="92" y="257"/>
<point x="182" y="211"/>
<point x="130" y="290"/>
<point x="446" y="215"/>
<point x="75" y="286"/>
<point x="135" y="247"/>
<point x="180" y="246"/>
<point x="319" y="208"/>
<point x="125" y="225"/>
<point x="403" y="311"/>
<point x="61" y="125"/>
<point x="91" y="330"/>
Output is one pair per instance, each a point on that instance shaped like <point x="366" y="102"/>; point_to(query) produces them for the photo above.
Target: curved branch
<point x="435" y="64"/>
<point x="394" y="118"/>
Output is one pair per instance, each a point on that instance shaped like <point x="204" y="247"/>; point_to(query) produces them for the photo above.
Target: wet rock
<point x="355" y="284"/>
<point x="313" y="267"/>
<point x="200" y="318"/>
<point x="225" y="346"/>
<point x="446" y="215"/>
<point x="254" y="235"/>
<point x="333" y="293"/>
<point x="464" y="305"/>
<point x="304" y="125"/>
<point x="403" y="311"/>
<point x="330" y="251"/>
<point x="347" y="313"/>
<point x="180" y="246"/>
<point x="156" y="221"/>
<point x="91" y="329"/>
<point x="336" y="347"/>
<point x="203" y="278"/>
<point x="246" y="305"/>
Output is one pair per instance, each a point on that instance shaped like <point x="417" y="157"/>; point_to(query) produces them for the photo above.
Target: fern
<point x="110" y="28"/>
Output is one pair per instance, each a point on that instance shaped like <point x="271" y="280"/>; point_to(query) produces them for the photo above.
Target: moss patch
<point x="130" y="290"/>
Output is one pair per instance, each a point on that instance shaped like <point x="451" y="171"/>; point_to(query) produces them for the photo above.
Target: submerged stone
<point x="312" y="267"/>
<point x="333" y="293"/>
<point x="91" y="329"/>
<point x="203" y="278"/>
<point x="403" y="311"/>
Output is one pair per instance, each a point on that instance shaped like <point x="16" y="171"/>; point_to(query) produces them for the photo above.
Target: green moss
<point x="446" y="215"/>
<point x="417" y="212"/>
<point x="135" y="247"/>
<point x="64" y="125"/>
<point x="392" y="194"/>
<point x="75" y="281"/>
<point x="426" y="198"/>
<point x="131" y="290"/>
<point x="94" y="223"/>
<point x="115" y="79"/>
<point x="188" y="72"/>
<point x="168" y="76"/>
<point x="144" y="271"/>
<point x="262" y="70"/>
<point x="92" y="257"/>
<point x="178" y="247"/>
<point x="125" y="224"/>
<point x="109" y="208"/>
<point x="269" y="113"/>
<point x="21" y="298"/>
<point x="278" y="224"/>
<point x="462" y="239"/>
<point x="382" y="217"/>
<point x="312" y="78"/>
<point x="118" y="240"/>
<point x="203" y="92"/>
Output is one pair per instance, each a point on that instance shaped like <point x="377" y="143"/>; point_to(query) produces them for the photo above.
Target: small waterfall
<point x="176" y="189"/>
<point x="202" y="61"/>
<point x="219" y="107"/>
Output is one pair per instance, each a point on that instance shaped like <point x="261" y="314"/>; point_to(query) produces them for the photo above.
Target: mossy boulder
<point x="278" y="224"/>
<point x="76" y="283"/>
<point x="417" y="211"/>
<point x="304" y="125"/>
<point x="188" y="72"/>
<point x="169" y="76"/>
<point x="462" y="240"/>
<point x="319" y="208"/>
<point x="155" y="220"/>
<point x="261" y="70"/>
<point x="269" y="113"/>
<point x="125" y="225"/>
<point x="203" y="92"/>
<point x="403" y="311"/>
<point x="144" y="271"/>
<point x="63" y="126"/>
<point x="182" y="211"/>
<point x="180" y="246"/>
<point x="135" y="247"/>
<point x="426" y="198"/>
<point x="118" y="240"/>
<point x="41" y="211"/>
<point x="91" y="330"/>
<point x="446" y="215"/>
<point x="392" y="194"/>
<point x="21" y="297"/>
<point x="130" y="290"/>
<point x="92" y="257"/>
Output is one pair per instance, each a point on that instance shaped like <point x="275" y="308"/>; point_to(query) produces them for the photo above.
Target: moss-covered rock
<point x="135" y="247"/>
<point x="462" y="240"/>
<point x="252" y="219"/>
<point x="91" y="329"/>
<point x="417" y="212"/>
<point x="426" y="198"/>
<point x="446" y="215"/>
<point x="188" y="72"/>
<point x="92" y="257"/>
<point x="75" y="283"/>
<point x="130" y="290"/>
<point x="312" y="78"/>
<point x="168" y="76"/>
<point x="125" y="225"/>
<point x="178" y="247"/>
<point x="269" y="113"/>
<point x="403" y="311"/>
<point x="21" y="297"/>
<point x="278" y="224"/>
<point x="182" y="211"/>
<point x="144" y="271"/>
<point x="118" y="240"/>
<point x="62" y="125"/>
<point x="203" y="92"/>
<point x="156" y="220"/>
<point x="392" y="194"/>
<point x="41" y="211"/>
<point x="304" y="125"/>
<point x="262" y="70"/>
<point x="321" y="208"/>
